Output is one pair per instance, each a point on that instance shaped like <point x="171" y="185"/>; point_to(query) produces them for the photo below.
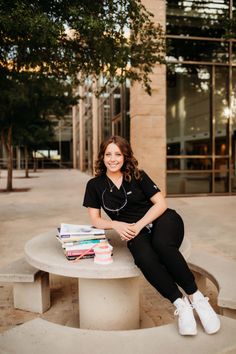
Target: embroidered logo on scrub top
<point x="130" y="192"/>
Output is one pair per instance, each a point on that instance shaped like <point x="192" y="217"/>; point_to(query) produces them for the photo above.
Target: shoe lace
<point x="182" y="308"/>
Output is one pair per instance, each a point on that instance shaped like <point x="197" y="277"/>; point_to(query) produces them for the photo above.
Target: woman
<point x="153" y="232"/>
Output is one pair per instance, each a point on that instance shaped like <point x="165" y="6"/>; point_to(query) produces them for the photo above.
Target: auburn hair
<point x="130" y="166"/>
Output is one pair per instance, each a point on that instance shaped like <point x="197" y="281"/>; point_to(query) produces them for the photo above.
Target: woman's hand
<point x="136" y="228"/>
<point x="124" y="229"/>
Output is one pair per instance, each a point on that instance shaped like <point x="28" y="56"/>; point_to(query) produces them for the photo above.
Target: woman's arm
<point x="158" y="208"/>
<point x="124" y="229"/>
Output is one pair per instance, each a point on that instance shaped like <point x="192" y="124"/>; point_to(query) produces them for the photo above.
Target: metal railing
<point x="42" y="163"/>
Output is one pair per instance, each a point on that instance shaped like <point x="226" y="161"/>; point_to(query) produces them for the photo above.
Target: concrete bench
<point x="31" y="290"/>
<point x="222" y="272"/>
<point x="39" y="336"/>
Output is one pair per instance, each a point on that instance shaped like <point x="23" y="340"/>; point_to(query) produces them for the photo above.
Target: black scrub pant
<point x="157" y="254"/>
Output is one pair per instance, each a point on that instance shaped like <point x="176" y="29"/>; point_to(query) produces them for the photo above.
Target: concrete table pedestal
<point x="109" y="304"/>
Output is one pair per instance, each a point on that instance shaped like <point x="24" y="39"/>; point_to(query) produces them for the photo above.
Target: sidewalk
<point x="56" y="196"/>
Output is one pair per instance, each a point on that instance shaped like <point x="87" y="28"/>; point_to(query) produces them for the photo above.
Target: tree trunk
<point x="35" y="161"/>
<point x="7" y="141"/>
<point x="26" y="162"/>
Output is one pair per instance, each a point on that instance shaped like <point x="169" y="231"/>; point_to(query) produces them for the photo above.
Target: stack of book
<point x="78" y="241"/>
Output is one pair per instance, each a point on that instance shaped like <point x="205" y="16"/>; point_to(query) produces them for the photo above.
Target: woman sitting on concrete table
<point x="153" y="232"/>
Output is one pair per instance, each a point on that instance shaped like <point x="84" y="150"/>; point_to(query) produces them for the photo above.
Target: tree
<point x="43" y="97"/>
<point x="36" y="135"/>
<point x="26" y="118"/>
<point x="115" y="37"/>
<point x="59" y="39"/>
<point x="46" y="97"/>
<point x="10" y="102"/>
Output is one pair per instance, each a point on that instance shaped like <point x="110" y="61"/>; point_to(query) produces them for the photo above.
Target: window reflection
<point x="233" y="132"/>
<point x="179" y="49"/>
<point x="186" y="183"/>
<point x="117" y="101"/>
<point x="189" y="164"/>
<point x="200" y="18"/>
<point x="201" y="99"/>
<point x="106" y="115"/>
<point x="222" y="113"/>
<point x="234" y="52"/>
<point x="188" y="110"/>
<point x="221" y="175"/>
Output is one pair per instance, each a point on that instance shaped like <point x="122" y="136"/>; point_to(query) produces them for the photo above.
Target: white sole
<point x="213" y="331"/>
<point x="188" y="333"/>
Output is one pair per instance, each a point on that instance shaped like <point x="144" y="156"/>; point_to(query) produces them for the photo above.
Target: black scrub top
<point x="132" y="198"/>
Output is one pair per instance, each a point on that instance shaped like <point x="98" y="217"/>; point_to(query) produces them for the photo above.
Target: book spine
<point x="80" y="247"/>
<point x="70" y="238"/>
<point x="77" y="253"/>
<point x="81" y="233"/>
<point x="73" y="258"/>
<point x="83" y="242"/>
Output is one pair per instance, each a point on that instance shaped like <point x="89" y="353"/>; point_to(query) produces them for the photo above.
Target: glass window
<point x="234" y="52"/>
<point x="173" y="164"/>
<point x="106" y="110"/>
<point x="233" y="132"/>
<point x="173" y="148"/>
<point x="197" y="50"/>
<point x="188" y="109"/>
<point x="117" y="101"/>
<point x="201" y="100"/>
<point x="199" y="18"/>
<point x="222" y="111"/>
<point x="198" y="146"/>
<point x="188" y="183"/>
<point x="189" y="164"/>
<point x="117" y="127"/>
<point x="221" y="175"/>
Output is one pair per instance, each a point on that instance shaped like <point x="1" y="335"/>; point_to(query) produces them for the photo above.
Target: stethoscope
<point x="110" y="189"/>
<point x="149" y="226"/>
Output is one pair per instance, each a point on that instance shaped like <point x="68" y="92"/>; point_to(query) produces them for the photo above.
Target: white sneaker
<point x="208" y="317"/>
<point x="186" y="320"/>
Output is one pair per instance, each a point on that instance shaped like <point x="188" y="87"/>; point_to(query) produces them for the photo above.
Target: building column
<point x="95" y="127"/>
<point x="81" y="130"/>
<point x="148" y="114"/>
<point x="18" y="158"/>
<point x="75" y="135"/>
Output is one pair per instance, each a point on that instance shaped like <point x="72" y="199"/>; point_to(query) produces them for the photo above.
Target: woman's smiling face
<point x="113" y="158"/>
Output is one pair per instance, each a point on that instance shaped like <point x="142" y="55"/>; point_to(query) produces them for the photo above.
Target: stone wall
<point x="148" y="115"/>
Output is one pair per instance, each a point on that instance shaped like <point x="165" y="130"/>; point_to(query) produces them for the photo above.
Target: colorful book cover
<point x="72" y="229"/>
<point x="81" y="242"/>
<point x="73" y="238"/>
<point x="84" y="246"/>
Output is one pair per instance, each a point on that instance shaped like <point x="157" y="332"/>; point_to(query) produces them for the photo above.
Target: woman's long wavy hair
<point x="130" y="166"/>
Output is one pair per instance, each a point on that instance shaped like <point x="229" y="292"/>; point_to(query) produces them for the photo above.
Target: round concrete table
<point x="108" y="294"/>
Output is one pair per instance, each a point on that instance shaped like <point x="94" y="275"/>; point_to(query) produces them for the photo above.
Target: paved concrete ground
<point x="55" y="196"/>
